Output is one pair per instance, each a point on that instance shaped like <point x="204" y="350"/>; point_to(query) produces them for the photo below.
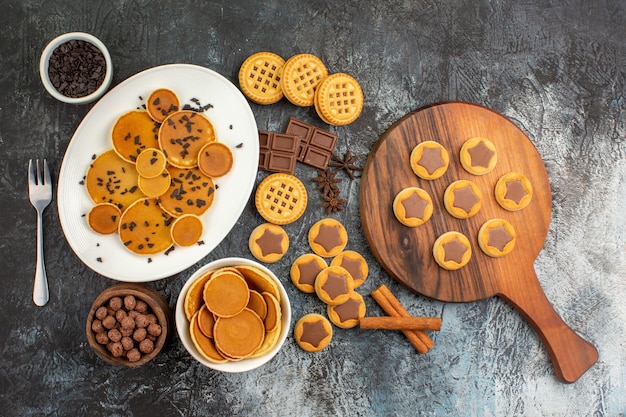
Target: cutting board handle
<point x="571" y="355"/>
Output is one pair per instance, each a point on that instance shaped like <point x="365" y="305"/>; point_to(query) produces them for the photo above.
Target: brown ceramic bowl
<point x="157" y="305"/>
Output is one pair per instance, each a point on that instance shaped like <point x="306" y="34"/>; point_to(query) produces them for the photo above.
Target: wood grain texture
<point x="406" y="253"/>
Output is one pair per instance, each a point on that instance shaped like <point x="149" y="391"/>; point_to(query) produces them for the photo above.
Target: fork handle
<point x="40" y="290"/>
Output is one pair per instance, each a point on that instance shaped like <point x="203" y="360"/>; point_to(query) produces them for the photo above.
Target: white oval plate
<point x="234" y="125"/>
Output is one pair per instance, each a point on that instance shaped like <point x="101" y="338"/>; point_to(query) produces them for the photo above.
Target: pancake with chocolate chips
<point x="144" y="228"/>
<point x="132" y="133"/>
<point x="182" y="135"/>
<point x="110" y="179"/>
<point x="190" y="192"/>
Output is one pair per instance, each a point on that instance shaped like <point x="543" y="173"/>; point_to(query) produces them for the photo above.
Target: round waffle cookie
<point x="301" y="75"/>
<point x="132" y="133"/>
<point x="339" y="99"/>
<point x="182" y="135"/>
<point x="144" y="228"/>
<point x="260" y="77"/>
<point x="190" y="192"/>
<point x="110" y="179"/>
<point x="281" y="198"/>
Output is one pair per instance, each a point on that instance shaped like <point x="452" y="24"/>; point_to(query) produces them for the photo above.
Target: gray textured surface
<point x="556" y="69"/>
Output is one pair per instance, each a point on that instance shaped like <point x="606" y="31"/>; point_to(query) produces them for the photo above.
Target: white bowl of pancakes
<point x="233" y="315"/>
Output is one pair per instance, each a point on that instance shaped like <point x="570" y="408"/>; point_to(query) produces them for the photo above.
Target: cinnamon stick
<point x="401" y="323"/>
<point x="392" y="306"/>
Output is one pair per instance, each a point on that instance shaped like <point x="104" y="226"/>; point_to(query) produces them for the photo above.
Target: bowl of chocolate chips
<point x="76" y="68"/>
<point x="129" y="324"/>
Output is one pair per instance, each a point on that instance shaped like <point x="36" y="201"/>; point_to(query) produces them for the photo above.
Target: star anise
<point x="347" y="163"/>
<point x="332" y="203"/>
<point x="326" y="182"/>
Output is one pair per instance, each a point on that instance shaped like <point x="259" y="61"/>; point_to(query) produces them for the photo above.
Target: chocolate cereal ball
<point x="142" y="320"/>
<point x="102" y="338"/>
<point x="101" y="313"/>
<point x="114" y="335"/>
<point x="133" y="355"/>
<point x="128" y="323"/>
<point x="115" y="303"/>
<point x="109" y="322"/>
<point x="140" y="334"/>
<point x="141" y="306"/>
<point x="146" y="346"/>
<point x="127" y="343"/>
<point x="116" y="349"/>
<point x="154" y="329"/>
<point x="97" y="326"/>
<point x="129" y="302"/>
<point x="120" y="315"/>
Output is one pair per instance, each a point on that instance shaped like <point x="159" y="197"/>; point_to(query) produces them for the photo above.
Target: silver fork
<point x="40" y="193"/>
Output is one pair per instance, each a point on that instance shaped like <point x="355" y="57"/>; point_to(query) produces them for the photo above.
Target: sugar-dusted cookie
<point x="354" y="263"/>
<point x="268" y="242"/>
<point x="496" y="237"/>
<point x="161" y="103"/>
<point x="513" y="191"/>
<point x="301" y="75"/>
<point x="281" y="198"/>
<point x="260" y="77"/>
<point x="333" y="285"/>
<point x="478" y="156"/>
<point x="305" y="269"/>
<point x="313" y="332"/>
<point x="339" y="99"/>
<point x="452" y="250"/>
<point x="462" y="199"/>
<point x="181" y="136"/>
<point x="412" y="206"/>
<point x="429" y="160"/>
<point x="328" y="237"/>
<point x="104" y="218"/>
<point x="347" y="314"/>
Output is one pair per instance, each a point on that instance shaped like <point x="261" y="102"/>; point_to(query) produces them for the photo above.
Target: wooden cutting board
<point x="406" y="253"/>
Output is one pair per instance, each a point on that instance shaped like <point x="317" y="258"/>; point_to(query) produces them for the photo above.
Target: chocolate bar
<point x="277" y="152"/>
<point x="316" y="145"/>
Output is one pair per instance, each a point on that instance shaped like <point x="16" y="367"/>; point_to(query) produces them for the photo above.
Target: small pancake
<point x="206" y="321"/>
<point x="161" y="103"/>
<point x="215" y="159"/>
<point x="182" y="135"/>
<point x="190" y="192"/>
<point x="104" y="218"/>
<point x="239" y="336"/>
<point x="194" y="296"/>
<point x="272" y="319"/>
<point x="110" y="179"/>
<point x="132" y="133"/>
<point x="271" y="338"/>
<point x="205" y="346"/>
<point x="187" y="230"/>
<point x="155" y="187"/>
<point x="257" y="304"/>
<point x="145" y="228"/>
<point x="226" y="294"/>
<point x="150" y="163"/>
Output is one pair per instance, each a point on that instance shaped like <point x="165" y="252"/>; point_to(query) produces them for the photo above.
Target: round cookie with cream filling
<point x="305" y="269"/>
<point x="496" y="237"/>
<point x="513" y="191"/>
<point x="349" y="313"/>
<point x="452" y="250"/>
<point x="328" y="237"/>
<point x="268" y="242"/>
<point x="413" y="206"/>
<point x="354" y="263"/>
<point x="429" y="160"/>
<point x="462" y="199"/>
<point x="333" y="285"/>
<point x="478" y="156"/>
<point x="313" y="332"/>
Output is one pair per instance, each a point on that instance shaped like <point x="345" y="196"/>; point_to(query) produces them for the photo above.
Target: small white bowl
<point x="182" y="324"/>
<point x="44" y="63"/>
